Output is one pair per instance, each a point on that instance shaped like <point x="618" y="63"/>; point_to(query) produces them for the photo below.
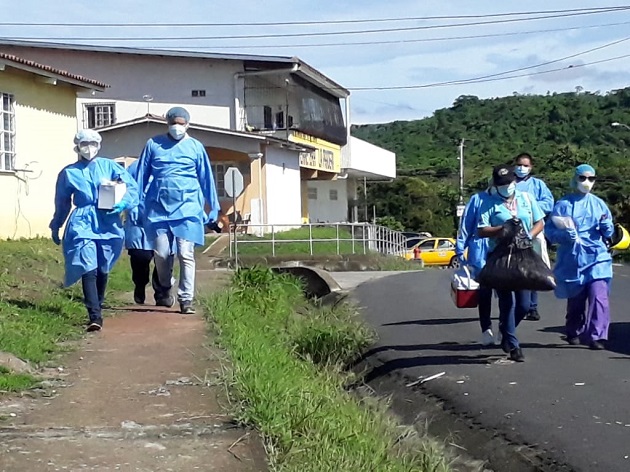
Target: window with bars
<point x="100" y="114"/>
<point x="7" y="132"/>
<point x="219" y="176"/>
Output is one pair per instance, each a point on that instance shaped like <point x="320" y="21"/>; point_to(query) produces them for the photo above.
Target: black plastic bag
<point x="514" y="265"/>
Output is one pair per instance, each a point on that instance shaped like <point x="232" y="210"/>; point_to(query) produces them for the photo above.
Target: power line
<point x="310" y="34"/>
<point x="499" y="75"/>
<point x="479" y="81"/>
<point x="535" y="66"/>
<point x="421" y="40"/>
<point x="324" y="22"/>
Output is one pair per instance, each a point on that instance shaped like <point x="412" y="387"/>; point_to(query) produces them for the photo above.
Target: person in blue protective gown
<point x="580" y="224"/>
<point x="174" y="201"/>
<point x="477" y="247"/>
<point x="93" y="239"/>
<point x="138" y="247"/>
<point x="526" y="182"/>
<point x="505" y="204"/>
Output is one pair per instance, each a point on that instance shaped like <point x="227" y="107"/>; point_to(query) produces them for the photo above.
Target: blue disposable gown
<point x="580" y="262"/>
<point x="539" y="191"/>
<point x="135" y="236"/>
<point x="182" y="179"/>
<point x="92" y="239"/>
<point x="468" y="238"/>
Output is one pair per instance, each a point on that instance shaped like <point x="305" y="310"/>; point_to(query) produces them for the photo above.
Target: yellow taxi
<point x="432" y="251"/>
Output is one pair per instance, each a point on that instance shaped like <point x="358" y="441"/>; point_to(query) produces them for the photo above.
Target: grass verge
<point x="37" y="315"/>
<point x="288" y="381"/>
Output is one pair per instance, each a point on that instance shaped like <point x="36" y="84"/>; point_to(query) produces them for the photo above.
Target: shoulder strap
<point x="529" y="200"/>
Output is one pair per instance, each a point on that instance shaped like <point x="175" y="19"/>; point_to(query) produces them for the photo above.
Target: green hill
<point x="559" y="130"/>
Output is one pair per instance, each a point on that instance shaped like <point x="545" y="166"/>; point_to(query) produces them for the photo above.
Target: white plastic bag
<point x="462" y="280"/>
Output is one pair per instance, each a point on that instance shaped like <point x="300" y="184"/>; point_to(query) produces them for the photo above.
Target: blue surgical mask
<point x="177" y="131"/>
<point x="506" y="191"/>
<point x="522" y="171"/>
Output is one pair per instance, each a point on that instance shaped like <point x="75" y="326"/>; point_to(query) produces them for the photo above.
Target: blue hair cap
<point x="87" y="136"/>
<point x="177" y="112"/>
<point x="583" y="169"/>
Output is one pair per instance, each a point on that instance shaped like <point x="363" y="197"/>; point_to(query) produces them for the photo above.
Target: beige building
<point x="37" y="124"/>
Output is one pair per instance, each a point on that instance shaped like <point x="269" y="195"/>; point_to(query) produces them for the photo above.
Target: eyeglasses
<point x="584" y="178"/>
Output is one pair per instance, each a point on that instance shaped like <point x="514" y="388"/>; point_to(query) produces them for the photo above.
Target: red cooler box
<point x="464" y="289"/>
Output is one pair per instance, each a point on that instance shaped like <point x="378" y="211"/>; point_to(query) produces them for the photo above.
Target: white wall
<point x="370" y="159"/>
<point x="283" y="188"/>
<point x="325" y="210"/>
<point x="169" y="80"/>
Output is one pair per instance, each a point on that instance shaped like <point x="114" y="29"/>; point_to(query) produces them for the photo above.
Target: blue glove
<point x="55" y="237"/>
<point x="572" y="234"/>
<point x="606" y="227"/>
<point x="118" y="208"/>
<point x="461" y="259"/>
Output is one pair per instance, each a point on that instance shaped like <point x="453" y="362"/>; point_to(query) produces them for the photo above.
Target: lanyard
<point x="511" y="206"/>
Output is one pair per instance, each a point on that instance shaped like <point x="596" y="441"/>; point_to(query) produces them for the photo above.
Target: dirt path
<point x="140" y="396"/>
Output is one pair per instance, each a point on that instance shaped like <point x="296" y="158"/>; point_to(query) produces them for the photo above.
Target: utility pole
<point x="461" y="171"/>
<point x="460" y="206"/>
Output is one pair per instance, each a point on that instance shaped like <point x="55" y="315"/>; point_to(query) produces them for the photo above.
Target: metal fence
<point x="315" y="238"/>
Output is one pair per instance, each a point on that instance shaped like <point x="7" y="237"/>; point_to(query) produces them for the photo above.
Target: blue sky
<point x="372" y="65"/>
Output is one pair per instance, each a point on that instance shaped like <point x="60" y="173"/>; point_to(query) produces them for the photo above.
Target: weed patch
<point x="288" y="381"/>
<point x="36" y="312"/>
<point x="10" y="382"/>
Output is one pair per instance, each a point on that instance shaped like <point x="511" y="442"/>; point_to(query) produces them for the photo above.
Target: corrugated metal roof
<point x="150" y="118"/>
<point x="146" y="51"/>
<point x="51" y="70"/>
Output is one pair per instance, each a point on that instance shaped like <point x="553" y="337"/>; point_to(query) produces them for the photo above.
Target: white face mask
<point x="177" y="131"/>
<point x="506" y="191"/>
<point x="88" y="152"/>
<point x="585" y="187"/>
<point x="522" y="171"/>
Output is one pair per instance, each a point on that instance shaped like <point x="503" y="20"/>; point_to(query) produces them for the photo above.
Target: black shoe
<point x="597" y="346"/>
<point x="167" y="302"/>
<point x="139" y="296"/>
<point x="517" y="355"/>
<point x="95" y="325"/>
<point x="573" y="341"/>
<point x="186" y="308"/>
<point x="533" y="315"/>
<point x="505" y="345"/>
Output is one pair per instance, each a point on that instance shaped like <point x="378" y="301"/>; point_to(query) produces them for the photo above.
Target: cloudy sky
<point x="393" y="77"/>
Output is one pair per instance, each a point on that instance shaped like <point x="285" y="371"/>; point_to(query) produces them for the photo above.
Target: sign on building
<point x="325" y="157"/>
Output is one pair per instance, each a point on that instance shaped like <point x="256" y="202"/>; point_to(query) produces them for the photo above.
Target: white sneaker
<point x="487" y="338"/>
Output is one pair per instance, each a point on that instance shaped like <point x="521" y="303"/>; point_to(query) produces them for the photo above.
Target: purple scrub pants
<point x="589" y="323"/>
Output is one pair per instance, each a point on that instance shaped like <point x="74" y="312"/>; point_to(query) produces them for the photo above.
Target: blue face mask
<point x="522" y="171"/>
<point x="506" y="191"/>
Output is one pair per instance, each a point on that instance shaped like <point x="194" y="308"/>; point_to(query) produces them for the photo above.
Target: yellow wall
<point x="45" y="124"/>
<point x="250" y="180"/>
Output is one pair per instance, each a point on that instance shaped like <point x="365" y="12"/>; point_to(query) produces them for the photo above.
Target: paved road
<point x="572" y="402"/>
